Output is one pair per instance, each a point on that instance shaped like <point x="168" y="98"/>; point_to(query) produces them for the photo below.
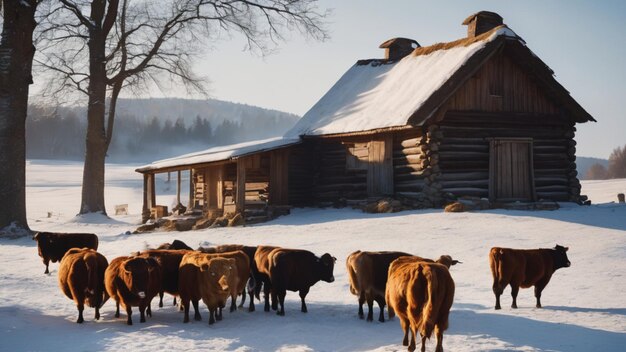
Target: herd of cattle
<point x="418" y="290"/>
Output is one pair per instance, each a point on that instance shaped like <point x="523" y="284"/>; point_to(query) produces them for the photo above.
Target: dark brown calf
<point x="133" y="281"/>
<point x="524" y="268"/>
<point x="52" y="246"/>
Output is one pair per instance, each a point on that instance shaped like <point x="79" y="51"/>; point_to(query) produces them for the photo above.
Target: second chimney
<point x="482" y="22"/>
<point x="397" y="48"/>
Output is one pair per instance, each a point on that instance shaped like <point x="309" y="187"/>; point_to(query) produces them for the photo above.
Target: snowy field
<point x="584" y="305"/>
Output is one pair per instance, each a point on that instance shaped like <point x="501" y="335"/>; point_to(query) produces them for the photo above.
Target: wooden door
<point x="511" y="170"/>
<point x="380" y="167"/>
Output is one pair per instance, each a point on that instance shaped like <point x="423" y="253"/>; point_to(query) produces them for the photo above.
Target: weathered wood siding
<point x="303" y="167"/>
<point x="501" y="86"/>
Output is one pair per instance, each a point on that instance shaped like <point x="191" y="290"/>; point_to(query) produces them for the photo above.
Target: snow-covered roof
<point x="220" y="153"/>
<point x="377" y="94"/>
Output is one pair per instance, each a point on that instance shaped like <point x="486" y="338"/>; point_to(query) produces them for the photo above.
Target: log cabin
<point x="481" y="116"/>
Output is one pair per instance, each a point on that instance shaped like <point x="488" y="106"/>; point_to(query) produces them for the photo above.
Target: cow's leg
<point x="405" y="327"/>
<point x="251" y="287"/>
<point x="370" y="307"/>
<point x="243" y="298"/>
<point x="303" y="294"/>
<point x="423" y="344"/>
<point x="281" y="301"/>
<point x="211" y="316"/>
<point x="361" y="302"/>
<point x="46" y="262"/>
<point x="174" y="300"/>
<point x="218" y="314"/>
<point x="142" y="314"/>
<point x="97" y="316"/>
<point x="117" y="309"/>
<point x="274" y="297"/>
<point x="539" y="286"/>
<point x="129" y="312"/>
<point x="411" y="347"/>
<point x="439" y="333"/>
<point x="266" y="295"/>
<point x="497" y="290"/>
<point x="184" y="303"/>
<point x="161" y="299"/>
<point x="514" y="292"/>
<point x="149" y="310"/>
<point x="233" y="302"/>
<point x="80" y="307"/>
<point x="196" y="315"/>
<point x="381" y="305"/>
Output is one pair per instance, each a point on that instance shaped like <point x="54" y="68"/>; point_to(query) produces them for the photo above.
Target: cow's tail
<point x="91" y="262"/>
<point x="390" y="310"/>
<point x="427" y="288"/>
<point x="354" y="280"/>
<point x="495" y="262"/>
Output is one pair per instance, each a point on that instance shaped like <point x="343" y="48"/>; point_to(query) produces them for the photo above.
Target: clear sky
<point x="584" y="42"/>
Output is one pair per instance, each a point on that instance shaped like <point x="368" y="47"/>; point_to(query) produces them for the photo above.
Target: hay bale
<point x="145" y="228"/>
<point x="203" y="224"/>
<point x="456" y="207"/>
<point x="236" y="220"/>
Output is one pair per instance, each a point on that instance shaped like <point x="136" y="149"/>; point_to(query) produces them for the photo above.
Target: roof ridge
<point x="487" y="36"/>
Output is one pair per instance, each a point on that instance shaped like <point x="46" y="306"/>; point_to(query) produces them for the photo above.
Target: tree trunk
<point x="96" y="142"/>
<point x="16" y="58"/>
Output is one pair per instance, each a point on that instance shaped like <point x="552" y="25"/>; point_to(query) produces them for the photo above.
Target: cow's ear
<point x="566" y="248"/>
<point x="204" y="267"/>
<point x="334" y="260"/>
<point x="455" y="262"/>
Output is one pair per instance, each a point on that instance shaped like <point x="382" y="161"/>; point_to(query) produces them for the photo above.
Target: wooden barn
<point x="482" y="116"/>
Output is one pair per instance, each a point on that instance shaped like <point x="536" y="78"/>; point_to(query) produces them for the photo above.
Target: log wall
<point x="464" y="153"/>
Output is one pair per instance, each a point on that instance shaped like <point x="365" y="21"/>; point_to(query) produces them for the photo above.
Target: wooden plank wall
<point x="303" y="167"/>
<point x="501" y="86"/>
<point x="279" y="177"/>
<point x="380" y="166"/>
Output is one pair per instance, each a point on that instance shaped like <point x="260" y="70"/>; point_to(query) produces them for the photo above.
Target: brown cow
<point x="262" y="264"/>
<point x="133" y="281"/>
<point x="217" y="277"/>
<point x="254" y="272"/>
<point x="81" y="278"/>
<point x="297" y="270"/>
<point x="367" y="272"/>
<point x="169" y="261"/>
<point x="52" y="246"/>
<point x="421" y="294"/>
<point x="190" y="284"/>
<point x="525" y="268"/>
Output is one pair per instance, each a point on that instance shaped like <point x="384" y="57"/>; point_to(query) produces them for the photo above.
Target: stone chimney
<point x="397" y="48"/>
<point x="481" y="22"/>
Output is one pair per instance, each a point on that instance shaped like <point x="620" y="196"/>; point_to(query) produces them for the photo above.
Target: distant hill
<point x="151" y="129"/>
<point x="584" y="163"/>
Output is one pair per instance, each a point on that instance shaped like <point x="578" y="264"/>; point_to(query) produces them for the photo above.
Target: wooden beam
<point x="240" y="200"/>
<point x="178" y="187"/>
<point x="192" y="192"/>
<point x="145" y="210"/>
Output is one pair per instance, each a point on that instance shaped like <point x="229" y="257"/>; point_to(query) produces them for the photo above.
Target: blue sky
<point x="582" y="41"/>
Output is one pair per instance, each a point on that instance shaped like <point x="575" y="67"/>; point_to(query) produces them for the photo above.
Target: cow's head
<point x="447" y="261"/>
<point x="560" y="257"/>
<point x="135" y="272"/>
<point x="219" y="272"/>
<point x="327" y="264"/>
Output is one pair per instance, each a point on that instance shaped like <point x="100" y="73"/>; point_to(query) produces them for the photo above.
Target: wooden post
<point x="178" y="188"/>
<point x="152" y="195"/>
<point x="145" y="210"/>
<point x="240" y="200"/>
<point x="192" y="192"/>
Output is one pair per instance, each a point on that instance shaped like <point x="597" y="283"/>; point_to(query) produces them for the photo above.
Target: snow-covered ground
<point x="584" y="305"/>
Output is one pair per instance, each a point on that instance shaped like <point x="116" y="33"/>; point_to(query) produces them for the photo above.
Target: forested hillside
<point x="149" y="129"/>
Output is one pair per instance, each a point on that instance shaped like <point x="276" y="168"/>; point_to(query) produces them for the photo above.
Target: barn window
<point x="357" y="155"/>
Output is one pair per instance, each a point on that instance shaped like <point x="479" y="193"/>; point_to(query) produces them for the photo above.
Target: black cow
<point x="297" y="270"/>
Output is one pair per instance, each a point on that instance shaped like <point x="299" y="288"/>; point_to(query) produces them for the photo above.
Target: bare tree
<point x="617" y="163"/>
<point x="16" y="59"/>
<point x="100" y="47"/>
<point x="596" y="171"/>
